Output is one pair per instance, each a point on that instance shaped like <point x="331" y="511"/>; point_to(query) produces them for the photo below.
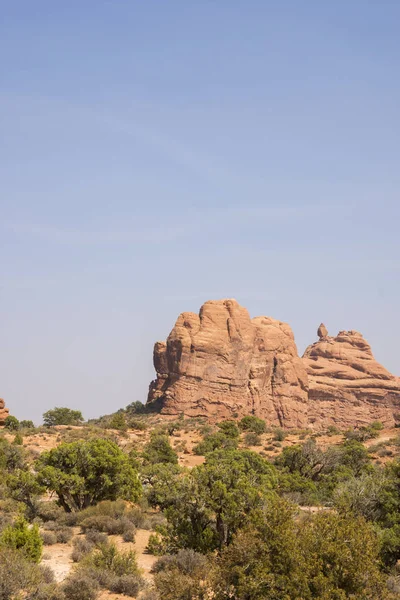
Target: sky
<point x="155" y="155"/>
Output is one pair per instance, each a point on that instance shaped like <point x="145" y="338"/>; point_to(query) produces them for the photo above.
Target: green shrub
<point x="118" y="421"/>
<point x="18" y="440"/>
<point x="229" y="428"/>
<point x="11" y="423"/>
<point x="19" y="536"/>
<point x="156" y="545"/>
<point x="25" y="424"/>
<point x="159" y="450"/>
<point x="252" y="423"/>
<point x="214" y="441"/>
<point x="85" y="472"/>
<point x="62" y="416"/>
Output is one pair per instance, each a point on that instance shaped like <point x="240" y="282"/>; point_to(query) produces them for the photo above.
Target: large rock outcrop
<point x="221" y="363"/>
<point x="3" y="412"/>
<point x="347" y="386"/>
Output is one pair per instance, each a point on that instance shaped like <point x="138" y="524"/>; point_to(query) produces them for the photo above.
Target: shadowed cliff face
<point x="220" y="363"/>
<point x="3" y="412"/>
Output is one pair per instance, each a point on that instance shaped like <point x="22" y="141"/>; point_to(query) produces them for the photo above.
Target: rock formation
<point x="3" y="412"/>
<point x="348" y="387"/>
<point x="322" y="331"/>
<point x="221" y="362"/>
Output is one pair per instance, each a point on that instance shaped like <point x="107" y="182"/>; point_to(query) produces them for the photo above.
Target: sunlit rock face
<point x="222" y="363"/>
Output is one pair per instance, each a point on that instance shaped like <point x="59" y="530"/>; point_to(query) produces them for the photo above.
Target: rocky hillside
<point x="221" y="363"/>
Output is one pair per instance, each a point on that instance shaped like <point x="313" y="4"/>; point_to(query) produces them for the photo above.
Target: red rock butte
<point x="222" y="364"/>
<point x="3" y="411"/>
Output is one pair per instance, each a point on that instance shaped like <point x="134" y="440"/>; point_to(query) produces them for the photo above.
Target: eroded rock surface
<point x="3" y="412"/>
<point x="220" y="363"/>
<point x="347" y="386"/>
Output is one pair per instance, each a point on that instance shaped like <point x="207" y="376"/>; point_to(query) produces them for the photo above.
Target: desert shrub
<point x="103" y="524"/>
<point x="156" y="545"/>
<point x="47" y="591"/>
<point x="159" y="450"/>
<point x="118" y="421"/>
<point x="213" y="442"/>
<point x="17" y="573"/>
<point x="12" y="457"/>
<point x="18" y="440"/>
<point x="63" y="534"/>
<point x="95" y="537"/>
<point x="136" y="516"/>
<point x="106" y="508"/>
<point x="128" y="585"/>
<point x="181" y="576"/>
<point x="112" y="569"/>
<point x="81" y="587"/>
<point x="25" y="424"/>
<point x="86" y="472"/>
<point x="135" y="408"/>
<point x="62" y="416"/>
<point x="19" y="536"/>
<point x="332" y="430"/>
<point x="229" y="428"/>
<point x="81" y="547"/>
<point x="279" y="434"/>
<point x="129" y="534"/>
<point x="50" y="511"/>
<point x="49" y="538"/>
<point x="252" y="439"/>
<point x="11" y="423"/>
<point x="187" y="561"/>
<point x="252" y="423"/>
<point x="149" y="593"/>
<point x="137" y="424"/>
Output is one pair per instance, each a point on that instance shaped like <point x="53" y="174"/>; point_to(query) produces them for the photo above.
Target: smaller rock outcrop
<point x="347" y="386"/>
<point x="4" y="412"/>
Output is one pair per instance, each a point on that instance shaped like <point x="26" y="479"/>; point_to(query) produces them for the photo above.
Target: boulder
<point x="347" y="386"/>
<point x="221" y="363"/>
<point x="3" y="412"/>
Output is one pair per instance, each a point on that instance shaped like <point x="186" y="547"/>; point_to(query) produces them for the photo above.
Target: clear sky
<point x="157" y="154"/>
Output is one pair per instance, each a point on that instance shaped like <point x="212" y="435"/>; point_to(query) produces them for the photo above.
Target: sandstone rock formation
<point x="221" y="363"/>
<point x="3" y="412"/>
<point x="347" y="386"/>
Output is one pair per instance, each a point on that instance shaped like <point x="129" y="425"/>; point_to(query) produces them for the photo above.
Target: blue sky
<point x="155" y="155"/>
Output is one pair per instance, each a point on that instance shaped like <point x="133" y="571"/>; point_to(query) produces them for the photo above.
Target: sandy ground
<point x="58" y="556"/>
